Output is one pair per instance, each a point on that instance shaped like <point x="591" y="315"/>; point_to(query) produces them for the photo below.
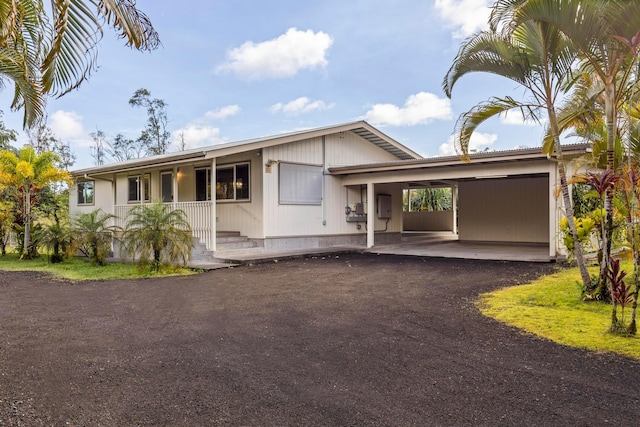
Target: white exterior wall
<point x="103" y="198"/>
<point x="504" y="210"/>
<point x="428" y="221"/>
<point x="328" y="218"/>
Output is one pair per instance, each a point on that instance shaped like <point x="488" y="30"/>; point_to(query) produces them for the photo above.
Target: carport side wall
<point x="327" y="218"/>
<point x="504" y="210"/>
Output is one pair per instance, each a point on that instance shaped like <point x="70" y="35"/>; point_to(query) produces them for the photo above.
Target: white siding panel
<point x="329" y="218"/>
<point x="103" y="199"/>
<point x="504" y="210"/>
<point x="347" y="148"/>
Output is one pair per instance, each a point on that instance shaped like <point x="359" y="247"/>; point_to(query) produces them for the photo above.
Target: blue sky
<point x="231" y="70"/>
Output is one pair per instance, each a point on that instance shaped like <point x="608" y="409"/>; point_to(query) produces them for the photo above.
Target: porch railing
<point x="198" y="214"/>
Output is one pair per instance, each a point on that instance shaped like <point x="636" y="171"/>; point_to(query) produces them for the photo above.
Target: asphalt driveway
<point x="348" y="340"/>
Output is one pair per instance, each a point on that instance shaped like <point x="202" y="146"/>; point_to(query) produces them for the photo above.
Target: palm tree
<point x="605" y="33"/>
<point x="93" y="234"/>
<point x="55" y="237"/>
<point x="154" y="232"/>
<point x="52" y="50"/>
<point x="27" y="173"/>
<point x="539" y="58"/>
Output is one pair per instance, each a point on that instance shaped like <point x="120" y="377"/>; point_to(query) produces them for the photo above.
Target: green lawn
<point x="81" y="269"/>
<point x="551" y="307"/>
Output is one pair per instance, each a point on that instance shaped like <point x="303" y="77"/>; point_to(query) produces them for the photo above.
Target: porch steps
<point x="227" y="242"/>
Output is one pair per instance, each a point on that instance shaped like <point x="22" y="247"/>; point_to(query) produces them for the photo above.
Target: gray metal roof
<point x="361" y="128"/>
<point x="518" y="154"/>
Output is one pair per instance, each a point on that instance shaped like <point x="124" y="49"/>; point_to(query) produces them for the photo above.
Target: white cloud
<point x="300" y="106"/>
<point x="419" y="109"/>
<point x="68" y="126"/>
<point x="281" y="57"/>
<point x="465" y="17"/>
<point x="223" y="112"/>
<point x="479" y="142"/>
<point x="516" y="119"/>
<point x="197" y="136"/>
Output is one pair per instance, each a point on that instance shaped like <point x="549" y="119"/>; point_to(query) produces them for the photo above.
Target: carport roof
<point x="520" y="154"/>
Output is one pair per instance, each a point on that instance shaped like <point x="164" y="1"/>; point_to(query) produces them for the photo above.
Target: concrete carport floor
<point x="447" y="245"/>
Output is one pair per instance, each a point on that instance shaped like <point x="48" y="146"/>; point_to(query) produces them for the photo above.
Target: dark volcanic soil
<point x="348" y="340"/>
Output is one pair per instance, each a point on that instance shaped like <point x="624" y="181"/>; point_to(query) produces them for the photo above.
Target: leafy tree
<point x="93" y="234"/>
<point x="121" y="148"/>
<point x="7" y="136"/>
<point x="536" y="56"/>
<point x="6" y="222"/>
<point x="155" y="233"/>
<point x="154" y="137"/>
<point x="98" y="151"/>
<point x="42" y="139"/>
<point x="51" y="50"/>
<point x="28" y="173"/>
<point x="56" y="237"/>
<point x="607" y="37"/>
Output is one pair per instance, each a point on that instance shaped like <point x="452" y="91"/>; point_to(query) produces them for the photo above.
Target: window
<point x="166" y="186"/>
<point x="300" y="184"/>
<point x="203" y="184"/>
<point x="232" y="182"/>
<point x="86" y="192"/>
<point x="139" y="188"/>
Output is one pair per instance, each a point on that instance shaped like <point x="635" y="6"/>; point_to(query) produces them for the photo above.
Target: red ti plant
<point x="601" y="182"/>
<point x="620" y="294"/>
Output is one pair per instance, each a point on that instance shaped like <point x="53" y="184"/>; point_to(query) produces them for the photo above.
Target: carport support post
<point x="454" y="208"/>
<point x="214" y="220"/>
<point x="371" y="212"/>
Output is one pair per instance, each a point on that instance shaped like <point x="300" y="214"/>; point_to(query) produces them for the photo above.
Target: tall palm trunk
<point x="566" y="196"/>
<point x="26" y="246"/>
<point x="610" y="117"/>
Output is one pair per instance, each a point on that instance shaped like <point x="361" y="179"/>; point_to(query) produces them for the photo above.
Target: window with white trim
<point x="232" y="182"/>
<point x="86" y="193"/>
<point x="139" y="188"/>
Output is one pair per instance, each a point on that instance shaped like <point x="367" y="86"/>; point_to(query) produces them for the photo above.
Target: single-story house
<point x="331" y="186"/>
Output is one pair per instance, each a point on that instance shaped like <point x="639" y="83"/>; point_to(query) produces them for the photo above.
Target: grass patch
<point x="81" y="269"/>
<point x="551" y="307"/>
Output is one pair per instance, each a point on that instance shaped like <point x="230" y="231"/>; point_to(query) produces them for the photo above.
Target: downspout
<point x="324" y="168"/>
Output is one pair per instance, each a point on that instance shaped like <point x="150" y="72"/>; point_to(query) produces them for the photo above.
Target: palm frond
<point x="468" y="122"/>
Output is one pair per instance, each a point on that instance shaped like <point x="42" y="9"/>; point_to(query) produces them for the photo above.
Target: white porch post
<point x="371" y="214"/>
<point x="175" y="186"/>
<point x="214" y="225"/>
<point x="454" y="208"/>
<point x="553" y="209"/>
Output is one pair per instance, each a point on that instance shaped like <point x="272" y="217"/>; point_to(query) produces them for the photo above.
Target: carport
<point x="504" y="202"/>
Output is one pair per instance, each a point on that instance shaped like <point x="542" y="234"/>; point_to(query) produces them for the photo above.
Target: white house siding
<point x="103" y="198"/>
<point x="347" y="148"/>
<point x="504" y="210"/>
<point x="327" y="219"/>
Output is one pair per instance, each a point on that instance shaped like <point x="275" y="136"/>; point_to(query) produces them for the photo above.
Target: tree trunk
<point x="566" y="196"/>
<point x="568" y="207"/>
<point x="610" y="117"/>
<point x="26" y="246"/>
